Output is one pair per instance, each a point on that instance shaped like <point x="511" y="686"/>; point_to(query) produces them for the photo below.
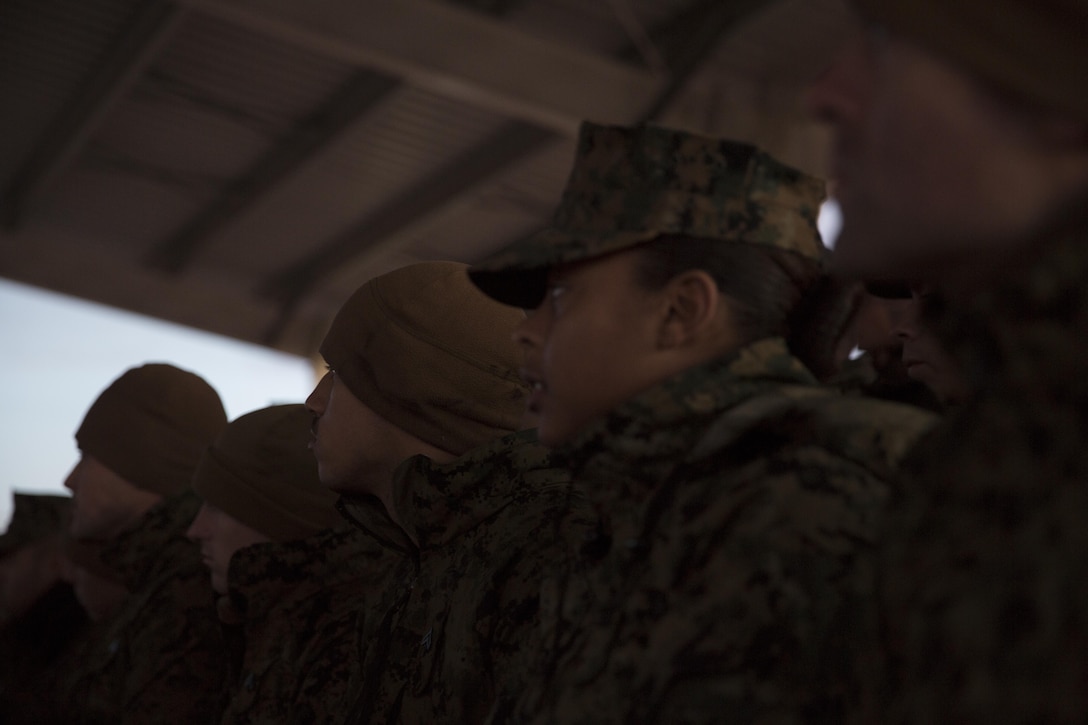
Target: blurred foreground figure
<point x="673" y="353"/>
<point x="157" y="657"/>
<point x="962" y="155"/>
<point x="417" y="425"/>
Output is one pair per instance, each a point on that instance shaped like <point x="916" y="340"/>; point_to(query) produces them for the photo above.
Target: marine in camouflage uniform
<point x="292" y="607"/>
<point x="984" y="568"/>
<point x="291" y="573"/>
<point x="448" y="641"/>
<point x="416" y="424"/>
<point x="159" y="659"/>
<point x="733" y="573"/>
<point x="985" y="589"/>
<point x="156" y="655"/>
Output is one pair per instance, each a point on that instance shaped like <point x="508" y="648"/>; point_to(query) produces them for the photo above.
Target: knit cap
<point x="261" y="472"/>
<point x="151" y="425"/>
<point x="428" y="352"/>
<point x="629" y="186"/>
<point x="1036" y="48"/>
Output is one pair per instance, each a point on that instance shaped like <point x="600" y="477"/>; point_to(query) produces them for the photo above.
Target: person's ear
<point x="693" y="305"/>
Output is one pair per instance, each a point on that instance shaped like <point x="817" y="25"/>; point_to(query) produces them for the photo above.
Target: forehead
<point x="615" y="264"/>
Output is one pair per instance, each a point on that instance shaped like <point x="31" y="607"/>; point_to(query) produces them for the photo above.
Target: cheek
<point x="593" y="365"/>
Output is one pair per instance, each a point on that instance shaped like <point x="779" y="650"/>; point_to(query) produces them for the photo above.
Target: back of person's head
<point x="260" y="471"/>
<point x="429" y="353"/>
<point x="151" y="426"/>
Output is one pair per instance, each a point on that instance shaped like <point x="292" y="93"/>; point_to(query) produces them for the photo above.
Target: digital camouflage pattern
<point x="447" y="643"/>
<point x="732" y="578"/>
<point x="290" y="624"/>
<point x="160" y="658"/>
<point x="986" y="591"/>
<point x="632" y="185"/>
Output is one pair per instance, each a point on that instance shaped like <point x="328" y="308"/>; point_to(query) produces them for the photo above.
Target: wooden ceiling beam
<point x="109" y="81"/>
<point x="361" y="92"/>
<point x="458" y="53"/>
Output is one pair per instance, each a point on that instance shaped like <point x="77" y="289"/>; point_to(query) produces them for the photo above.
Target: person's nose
<point x="319" y="398"/>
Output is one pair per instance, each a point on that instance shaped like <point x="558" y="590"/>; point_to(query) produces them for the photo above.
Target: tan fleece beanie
<point x="261" y="472"/>
<point x="151" y="425"/>
<point x="430" y="353"/>
<point x="1036" y="48"/>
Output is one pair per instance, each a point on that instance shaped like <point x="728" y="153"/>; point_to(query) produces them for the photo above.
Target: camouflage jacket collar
<point x="135" y="553"/>
<point x="368" y="515"/>
<point x="439" y="502"/>
<point x="268" y="576"/>
<point x="681" y="420"/>
<point x="1029" y="328"/>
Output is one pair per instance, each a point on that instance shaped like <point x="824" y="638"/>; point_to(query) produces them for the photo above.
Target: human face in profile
<point x="591" y="344"/>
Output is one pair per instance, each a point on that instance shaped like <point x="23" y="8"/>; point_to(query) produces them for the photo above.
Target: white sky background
<point x="58" y="353"/>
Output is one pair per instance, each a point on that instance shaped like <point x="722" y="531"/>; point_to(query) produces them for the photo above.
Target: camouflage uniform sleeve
<point x="754" y="597"/>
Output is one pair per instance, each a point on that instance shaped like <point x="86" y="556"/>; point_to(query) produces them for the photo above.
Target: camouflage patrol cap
<point x="632" y="185"/>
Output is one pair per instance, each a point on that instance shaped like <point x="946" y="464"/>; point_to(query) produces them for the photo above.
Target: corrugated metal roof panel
<point x="241" y="70"/>
<point x="46" y="50"/>
<point x="414" y="134"/>
<point x="116" y="205"/>
<point x="599" y="26"/>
